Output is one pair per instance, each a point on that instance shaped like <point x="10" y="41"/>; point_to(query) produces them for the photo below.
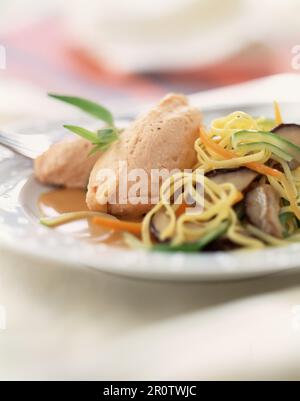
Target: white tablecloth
<point x="64" y="323"/>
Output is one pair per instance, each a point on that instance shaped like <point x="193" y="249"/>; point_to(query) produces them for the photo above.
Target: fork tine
<point x="32" y="145"/>
<point x="31" y="154"/>
<point x="10" y="142"/>
<point x="29" y="150"/>
<point x="27" y="145"/>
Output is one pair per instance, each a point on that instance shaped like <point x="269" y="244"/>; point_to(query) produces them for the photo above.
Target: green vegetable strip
<point x="243" y="137"/>
<point x="84" y="133"/>
<point x="195" y="246"/>
<point x="65" y="218"/>
<point x="101" y="139"/>
<point x="94" y="109"/>
<point x="258" y="146"/>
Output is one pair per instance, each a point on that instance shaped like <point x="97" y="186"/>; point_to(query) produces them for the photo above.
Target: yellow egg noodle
<point x="220" y="199"/>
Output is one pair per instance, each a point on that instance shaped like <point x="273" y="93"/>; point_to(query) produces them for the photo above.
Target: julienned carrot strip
<point x="228" y="154"/>
<point x="264" y="170"/>
<point x="119" y="225"/>
<point x="209" y="143"/>
<point x="239" y="198"/>
<point x="278" y="115"/>
<point x="181" y="209"/>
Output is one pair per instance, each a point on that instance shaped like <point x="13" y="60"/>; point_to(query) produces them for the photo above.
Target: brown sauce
<point x="58" y="201"/>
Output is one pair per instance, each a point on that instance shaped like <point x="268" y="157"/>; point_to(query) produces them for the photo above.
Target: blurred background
<point x="123" y="52"/>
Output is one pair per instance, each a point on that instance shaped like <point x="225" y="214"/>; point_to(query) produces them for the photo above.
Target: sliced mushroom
<point x="222" y="244"/>
<point x="262" y="209"/>
<point x="241" y="178"/>
<point x="291" y="132"/>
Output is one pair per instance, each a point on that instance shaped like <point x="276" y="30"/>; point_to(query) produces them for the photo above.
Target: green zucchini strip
<point x="195" y="246"/>
<point x="245" y="137"/>
<point x="65" y="218"/>
<point x="257" y="146"/>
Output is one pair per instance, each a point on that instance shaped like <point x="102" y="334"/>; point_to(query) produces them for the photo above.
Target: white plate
<point x="21" y="231"/>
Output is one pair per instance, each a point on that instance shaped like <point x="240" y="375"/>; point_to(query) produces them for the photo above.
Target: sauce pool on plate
<point x="59" y="201"/>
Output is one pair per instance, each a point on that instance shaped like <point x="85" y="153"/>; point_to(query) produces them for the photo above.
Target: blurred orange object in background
<point x="43" y="51"/>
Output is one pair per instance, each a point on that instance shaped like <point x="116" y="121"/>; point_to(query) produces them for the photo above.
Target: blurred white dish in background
<point x="137" y="35"/>
<point x="144" y="35"/>
<point x="157" y="35"/>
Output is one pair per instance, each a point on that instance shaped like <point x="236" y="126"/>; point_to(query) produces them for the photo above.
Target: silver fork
<point x="30" y="146"/>
<point x="31" y="138"/>
<point x="33" y="145"/>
